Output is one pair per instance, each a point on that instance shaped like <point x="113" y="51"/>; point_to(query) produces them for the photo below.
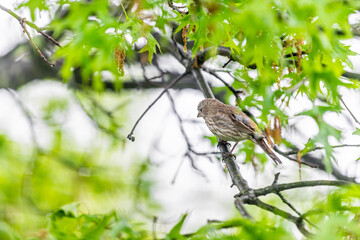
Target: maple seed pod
<point x="185" y="32"/>
<point x="120" y="55"/>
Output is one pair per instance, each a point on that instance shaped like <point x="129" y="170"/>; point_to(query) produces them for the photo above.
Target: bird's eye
<point x="200" y="109"/>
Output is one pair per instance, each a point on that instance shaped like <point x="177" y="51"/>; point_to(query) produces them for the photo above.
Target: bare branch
<point x="283" y="199"/>
<point x="351" y="75"/>
<point x="231" y="88"/>
<point x="182" y="130"/>
<point x="177" y="8"/>
<point x="94" y="121"/>
<point x="23" y="25"/>
<point x="236" y="177"/>
<point x="240" y="206"/>
<point x="28" y="118"/>
<point x="297" y="220"/>
<point x="286" y="186"/>
<point x="293" y="159"/>
<point x="187" y="140"/>
<point x="154" y="228"/>
<point x="32" y="25"/>
<point x="227" y="63"/>
<point x="202" y="83"/>
<point x="316" y="148"/>
<point x="193" y="165"/>
<point x="352" y="115"/>
<point x="177" y="171"/>
<point x="233" y="169"/>
<point x="130" y="136"/>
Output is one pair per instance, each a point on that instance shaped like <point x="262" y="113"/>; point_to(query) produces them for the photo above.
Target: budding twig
<point x="23" y="25"/>
<point x="130" y="136"/>
<point x="30" y="24"/>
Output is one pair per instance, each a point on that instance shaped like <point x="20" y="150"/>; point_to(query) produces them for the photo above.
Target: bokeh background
<point x="53" y="153"/>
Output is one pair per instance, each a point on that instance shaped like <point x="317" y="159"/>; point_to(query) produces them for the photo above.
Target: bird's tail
<point x="261" y="142"/>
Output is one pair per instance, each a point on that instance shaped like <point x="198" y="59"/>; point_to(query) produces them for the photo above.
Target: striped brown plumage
<point x="229" y="123"/>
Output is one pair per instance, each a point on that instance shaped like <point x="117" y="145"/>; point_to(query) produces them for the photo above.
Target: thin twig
<point x="202" y="83"/>
<point x="32" y="25"/>
<point x="130" y="136"/>
<point x="351" y="75"/>
<point x="287" y="186"/>
<point x="204" y="153"/>
<point x="23" y="25"/>
<point x="179" y="50"/>
<point x="293" y="159"/>
<point x="227" y="63"/>
<point x="154" y="228"/>
<point x="28" y="118"/>
<point x="283" y="199"/>
<point x="276" y="178"/>
<point x="231" y="88"/>
<point x="177" y="8"/>
<point x="96" y="123"/>
<point x="318" y="148"/>
<point x="193" y="165"/>
<point x="177" y="170"/>
<point x="297" y="220"/>
<point x="240" y="206"/>
<point x="182" y="130"/>
<point x="352" y="115"/>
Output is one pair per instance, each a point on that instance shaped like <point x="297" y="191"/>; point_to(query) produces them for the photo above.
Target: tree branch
<point x="352" y="115"/>
<point x="231" y="88"/>
<point x="202" y="83"/>
<point x="32" y="25"/>
<point x="23" y="25"/>
<point x="130" y="136"/>
<point x="187" y="140"/>
<point x="351" y="75"/>
<point x="319" y="148"/>
<point x="297" y="220"/>
<point x="286" y="186"/>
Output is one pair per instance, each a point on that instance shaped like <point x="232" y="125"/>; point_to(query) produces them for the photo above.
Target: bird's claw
<point x="228" y="154"/>
<point x="223" y="142"/>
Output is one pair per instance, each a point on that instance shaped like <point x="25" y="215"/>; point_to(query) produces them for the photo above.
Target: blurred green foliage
<point x="63" y="193"/>
<point x="31" y="186"/>
<point x="66" y="192"/>
<point x="79" y="182"/>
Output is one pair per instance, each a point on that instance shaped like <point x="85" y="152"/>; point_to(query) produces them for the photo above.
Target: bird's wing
<point x="244" y="122"/>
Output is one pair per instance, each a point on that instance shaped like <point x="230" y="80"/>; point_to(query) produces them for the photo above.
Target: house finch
<point x="229" y="123"/>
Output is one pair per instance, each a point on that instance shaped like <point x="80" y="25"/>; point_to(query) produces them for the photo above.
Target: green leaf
<point x="151" y="46"/>
<point x="308" y="147"/>
<point x="70" y="210"/>
<point x="175" y="231"/>
<point x="213" y="139"/>
<point x="33" y="5"/>
<point x="7" y="232"/>
<point x="357" y="131"/>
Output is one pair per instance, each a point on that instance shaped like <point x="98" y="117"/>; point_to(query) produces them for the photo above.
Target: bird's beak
<point x="198" y="115"/>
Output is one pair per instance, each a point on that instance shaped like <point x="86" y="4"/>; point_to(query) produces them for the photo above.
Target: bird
<point x="229" y="123"/>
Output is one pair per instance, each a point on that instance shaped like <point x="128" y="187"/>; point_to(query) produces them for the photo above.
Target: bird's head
<point x="205" y="106"/>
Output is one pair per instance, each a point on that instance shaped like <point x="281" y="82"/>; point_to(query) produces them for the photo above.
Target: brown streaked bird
<point x="229" y="123"/>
